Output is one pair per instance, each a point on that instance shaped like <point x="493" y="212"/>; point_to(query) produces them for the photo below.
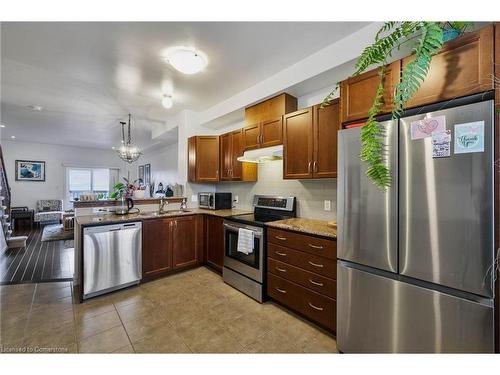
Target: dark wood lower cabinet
<point x="214" y="242"/>
<point x="184" y="242"/>
<point x="170" y="244"/>
<point x="302" y="275"/>
<point x="315" y="306"/>
<point x="156" y="247"/>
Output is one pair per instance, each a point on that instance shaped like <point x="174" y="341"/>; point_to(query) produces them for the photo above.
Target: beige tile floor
<point x="189" y="312"/>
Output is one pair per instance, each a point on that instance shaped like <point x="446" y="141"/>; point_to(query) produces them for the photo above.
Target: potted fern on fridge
<point x="425" y="40"/>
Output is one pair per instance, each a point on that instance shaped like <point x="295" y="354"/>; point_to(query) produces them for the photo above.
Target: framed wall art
<point x="30" y="170"/>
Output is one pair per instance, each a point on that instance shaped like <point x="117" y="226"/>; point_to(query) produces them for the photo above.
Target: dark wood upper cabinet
<point x="203" y="158"/>
<point x="357" y="93"/>
<point x="463" y="67"/>
<point x="310" y="142"/>
<point x="326" y="124"/>
<point x="251" y="137"/>
<point x="214" y="242"/>
<point x="225" y="156"/>
<point x="298" y="144"/>
<point x="184" y="251"/>
<point x="264" y="122"/>
<point x="156" y="247"/>
<point x="270" y="109"/>
<point x="236" y="152"/>
<point x="264" y="134"/>
<point x="231" y="148"/>
<point x="271" y="132"/>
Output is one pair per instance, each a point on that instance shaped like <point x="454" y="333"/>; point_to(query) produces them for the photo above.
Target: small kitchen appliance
<point x="215" y="201"/>
<point x="124" y="206"/>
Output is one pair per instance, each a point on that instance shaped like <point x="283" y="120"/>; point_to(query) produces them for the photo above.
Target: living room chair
<point x="49" y="210"/>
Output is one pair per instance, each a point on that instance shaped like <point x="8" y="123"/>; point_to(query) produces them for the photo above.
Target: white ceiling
<point x="88" y="76"/>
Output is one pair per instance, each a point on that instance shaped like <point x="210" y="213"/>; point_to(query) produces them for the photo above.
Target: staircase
<point x="6" y="231"/>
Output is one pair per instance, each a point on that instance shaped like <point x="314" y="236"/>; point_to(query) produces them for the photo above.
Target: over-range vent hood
<point x="262" y="155"/>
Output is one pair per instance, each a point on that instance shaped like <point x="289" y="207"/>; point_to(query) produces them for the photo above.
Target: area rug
<point x="55" y="232"/>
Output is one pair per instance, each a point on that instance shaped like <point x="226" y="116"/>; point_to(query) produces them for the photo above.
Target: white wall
<point x="163" y="162"/>
<point x="310" y="194"/>
<point x="25" y="193"/>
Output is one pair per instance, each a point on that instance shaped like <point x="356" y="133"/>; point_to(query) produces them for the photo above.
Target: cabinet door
<point x="156" y="247"/>
<point x="272" y="132"/>
<point x="225" y="156"/>
<point x="184" y="242"/>
<point x="215" y="242"/>
<point x="464" y="66"/>
<point x="192" y="159"/>
<point x="236" y="152"/>
<point x="357" y="93"/>
<point x="326" y="125"/>
<point x="298" y="144"/>
<point x="207" y="158"/>
<point x="251" y="137"/>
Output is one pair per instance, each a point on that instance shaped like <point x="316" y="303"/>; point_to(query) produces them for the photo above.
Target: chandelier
<point x="127" y="151"/>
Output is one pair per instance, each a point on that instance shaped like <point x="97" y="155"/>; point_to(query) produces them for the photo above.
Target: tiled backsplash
<point x="310" y="194"/>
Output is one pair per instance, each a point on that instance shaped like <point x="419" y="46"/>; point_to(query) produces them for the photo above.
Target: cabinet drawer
<point x="309" y="262"/>
<point x="302" y="277"/>
<point x="314" y="245"/>
<point x="316" y="307"/>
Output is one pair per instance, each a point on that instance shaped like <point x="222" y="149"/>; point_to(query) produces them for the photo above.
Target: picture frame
<point x="147" y="174"/>
<point x="30" y="170"/>
<point x="141" y="173"/>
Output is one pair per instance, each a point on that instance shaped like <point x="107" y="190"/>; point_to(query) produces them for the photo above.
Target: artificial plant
<point x="125" y="189"/>
<point x="426" y="39"/>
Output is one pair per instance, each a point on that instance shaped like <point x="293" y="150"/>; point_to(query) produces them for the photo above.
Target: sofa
<point x="48" y="210"/>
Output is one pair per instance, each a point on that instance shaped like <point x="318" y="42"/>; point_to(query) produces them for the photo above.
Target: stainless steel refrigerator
<point x="416" y="263"/>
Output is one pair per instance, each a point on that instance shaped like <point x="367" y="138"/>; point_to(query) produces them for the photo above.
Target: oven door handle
<point x="230" y="227"/>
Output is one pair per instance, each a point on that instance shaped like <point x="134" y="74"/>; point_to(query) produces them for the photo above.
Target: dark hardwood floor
<point x="37" y="262"/>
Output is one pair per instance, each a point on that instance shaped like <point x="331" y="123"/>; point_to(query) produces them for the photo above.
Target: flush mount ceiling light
<point x="35" y="107"/>
<point x="186" y="60"/>
<point x="2" y="126"/>
<point x="13" y="136"/>
<point x="128" y="152"/>
<point x="167" y="101"/>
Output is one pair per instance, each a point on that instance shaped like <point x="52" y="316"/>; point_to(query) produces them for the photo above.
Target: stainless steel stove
<point x="245" y="270"/>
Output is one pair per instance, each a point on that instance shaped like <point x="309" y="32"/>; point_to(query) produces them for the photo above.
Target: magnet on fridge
<point x="469" y="137"/>
<point x="426" y="127"/>
<point x="441" y="144"/>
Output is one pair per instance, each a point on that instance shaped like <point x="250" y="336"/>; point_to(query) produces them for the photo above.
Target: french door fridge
<point x="416" y="263"/>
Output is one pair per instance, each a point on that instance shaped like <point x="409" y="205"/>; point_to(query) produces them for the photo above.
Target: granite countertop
<point x="309" y="226"/>
<point x="107" y="218"/>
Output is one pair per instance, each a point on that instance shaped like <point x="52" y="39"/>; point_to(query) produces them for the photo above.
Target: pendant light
<point x="127" y="151"/>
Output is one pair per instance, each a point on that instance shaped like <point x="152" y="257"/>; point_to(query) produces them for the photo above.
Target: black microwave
<point x="215" y="201"/>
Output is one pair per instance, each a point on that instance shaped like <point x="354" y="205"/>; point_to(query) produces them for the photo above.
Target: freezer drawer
<point x="446" y="206"/>
<point x="367" y="217"/>
<point x="381" y="315"/>
<point x="112" y="257"/>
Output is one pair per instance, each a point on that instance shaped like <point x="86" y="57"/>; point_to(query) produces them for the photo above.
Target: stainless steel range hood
<point x="262" y="155"/>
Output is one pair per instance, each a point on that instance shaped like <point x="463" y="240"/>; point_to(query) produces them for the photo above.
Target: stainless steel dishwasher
<point x="112" y="257"/>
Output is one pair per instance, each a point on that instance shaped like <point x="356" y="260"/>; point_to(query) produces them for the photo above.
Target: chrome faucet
<point x="162" y="205"/>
